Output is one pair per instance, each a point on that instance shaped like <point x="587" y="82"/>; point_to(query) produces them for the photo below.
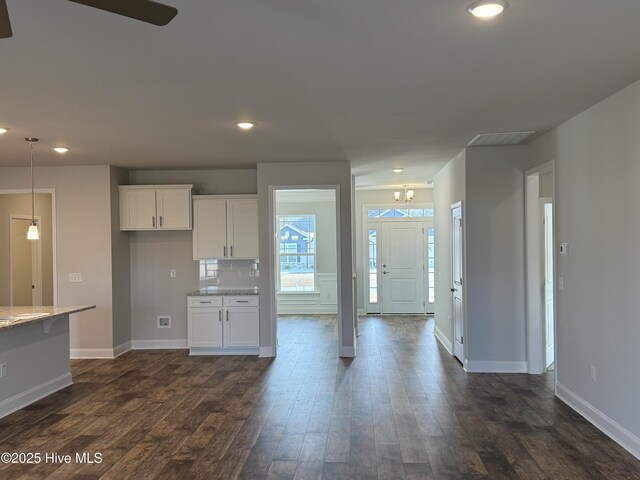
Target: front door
<point x="456" y="282"/>
<point x="402" y="264"/>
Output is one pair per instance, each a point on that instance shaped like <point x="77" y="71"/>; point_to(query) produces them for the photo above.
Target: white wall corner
<point x="266" y="352"/>
<point x="609" y="427"/>
<point x="481" y="366"/>
<point x="34" y="394"/>
<point x="443" y="340"/>
<point x="122" y="348"/>
<point x="159" y="344"/>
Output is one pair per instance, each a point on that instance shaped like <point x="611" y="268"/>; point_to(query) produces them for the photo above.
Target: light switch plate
<point x="173" y="273"/>
<point x="75" y="277"/>
<point x="564" y="249"/>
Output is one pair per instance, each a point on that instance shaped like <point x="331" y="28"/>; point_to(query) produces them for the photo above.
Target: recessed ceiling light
<point x="3" y="130"/>
<point x="246" y="125"/>
<point x="487" y="8"/>
<point x="61" y="149"/>
<point x="398" y="170"/>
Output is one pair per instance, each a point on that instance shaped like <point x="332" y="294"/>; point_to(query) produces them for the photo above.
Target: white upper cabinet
<point x="225" y="227"/>
<point x="155" y="207"/>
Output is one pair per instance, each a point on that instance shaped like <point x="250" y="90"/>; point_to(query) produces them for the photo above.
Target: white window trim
<point x="393" y="206"/>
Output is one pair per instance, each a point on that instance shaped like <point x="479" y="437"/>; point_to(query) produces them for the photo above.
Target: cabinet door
<point x="242" y="228"/>
<point x="242" y="327"/>
<point x="209" y="229"/>
<point x="138" y="209"/>
<point x="205" y="327"/>
<point x="174" y="209"/>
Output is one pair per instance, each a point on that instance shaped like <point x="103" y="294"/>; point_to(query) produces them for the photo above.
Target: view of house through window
<point x="297" y="253"/>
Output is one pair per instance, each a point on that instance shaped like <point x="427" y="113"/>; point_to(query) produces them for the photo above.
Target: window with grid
<point x="297" y="253"/>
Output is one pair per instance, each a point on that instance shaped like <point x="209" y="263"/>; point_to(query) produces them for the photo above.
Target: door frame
<point x="54" y="248"/>
<point x="273" y="229"/>
<point x="543" y="249"/>
<point x="534" y="300"/>
<point x="369" y="223"/>
<point x="459" y="204"/>
<point x="37" y="252"/>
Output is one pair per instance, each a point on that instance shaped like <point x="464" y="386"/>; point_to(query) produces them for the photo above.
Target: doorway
<point x="399" y="259"/>
<point x="27" y="267"/>
<point x="540" y="265"/>
<point x="457" y="285"/>
<point x="25" y="263"/>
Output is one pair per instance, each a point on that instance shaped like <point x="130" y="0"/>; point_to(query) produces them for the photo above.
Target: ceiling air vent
<point x="504" y="138"/>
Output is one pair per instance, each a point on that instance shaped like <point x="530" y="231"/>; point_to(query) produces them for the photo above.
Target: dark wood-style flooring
<point x="402" y="409"/>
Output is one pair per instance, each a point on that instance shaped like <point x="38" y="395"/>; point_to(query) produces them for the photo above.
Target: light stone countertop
<point x="224" y="291"/>
<point x="15" y="316"/>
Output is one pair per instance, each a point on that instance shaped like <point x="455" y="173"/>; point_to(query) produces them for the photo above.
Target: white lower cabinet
<point x="219" y="325"/>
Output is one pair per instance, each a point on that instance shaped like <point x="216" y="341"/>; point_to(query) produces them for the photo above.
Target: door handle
<point x="454" y="290"/>
<point x="384" y="272"/>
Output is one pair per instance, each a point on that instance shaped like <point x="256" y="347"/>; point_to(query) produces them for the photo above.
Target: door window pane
<point x="431" y="280"/>
<point x="373" y="266"/>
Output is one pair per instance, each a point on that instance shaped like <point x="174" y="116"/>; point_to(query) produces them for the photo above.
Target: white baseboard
<point x="443" y="340"/>
<point x="266" y="352"/>
<point x="159" y="344"/>
<point x="347" y="352"/>
<point x="87" y="353"/>
<point x="480" y="366"/>
<point x="224" y="351"/>
<point x="609" y="427"/>
<point x="122" y="348"/>
<point x="34" y="394"/>
<point x="362" y="312"/>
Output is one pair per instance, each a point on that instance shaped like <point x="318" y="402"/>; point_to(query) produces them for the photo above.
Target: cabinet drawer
<point x="195" y="302"/>
<point x="242" y="301"/>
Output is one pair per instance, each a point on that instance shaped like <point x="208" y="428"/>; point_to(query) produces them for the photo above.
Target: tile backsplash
<point x="229" y="273"/>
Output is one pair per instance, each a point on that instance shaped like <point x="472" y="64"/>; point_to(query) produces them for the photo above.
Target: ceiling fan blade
<point x="143" y="10"/>
<point x="5" y="24"/>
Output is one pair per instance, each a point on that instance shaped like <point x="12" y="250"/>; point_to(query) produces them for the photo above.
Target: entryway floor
<point x="402" y="409"/>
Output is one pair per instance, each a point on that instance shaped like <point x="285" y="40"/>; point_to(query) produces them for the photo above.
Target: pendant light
<point x="408" y="195"/>
<point x="33" y="233"/>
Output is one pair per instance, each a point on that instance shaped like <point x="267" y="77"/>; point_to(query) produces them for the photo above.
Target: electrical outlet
<point x="75" y="277"/>
<point x="593" y="373"/>
<point x="173" y="273"/>
<point x="560" y="283"/>
<point x="164" y="321"/>
<point x="564" y="249"/>
<point x="3" y="370"/>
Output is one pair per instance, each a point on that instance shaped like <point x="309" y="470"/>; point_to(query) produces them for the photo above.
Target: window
<point x="400" y="212"/>
<point x="431" y="272"/>
<point x="297" y="253"/>
<point x="373" y="266"/>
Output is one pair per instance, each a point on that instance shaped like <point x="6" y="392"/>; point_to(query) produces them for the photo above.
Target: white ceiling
<point x="380" y="83"/>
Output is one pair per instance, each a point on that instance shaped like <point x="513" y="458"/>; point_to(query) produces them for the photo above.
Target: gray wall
<point x="597" y="199"/>
<point x="495" y="255"/>
<point x="154" y="254"/>
<point x="120" y="264"/>
<point x="83" y="216"/>
<point x="448" y="188"/>
<point x="305" y="174"/>
<point x="378" y="197"/>
<point x="20" y="204"/>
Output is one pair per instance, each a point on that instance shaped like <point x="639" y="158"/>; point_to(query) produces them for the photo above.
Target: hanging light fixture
<point x="33" y="233"/>
<point x="408" y="195"/>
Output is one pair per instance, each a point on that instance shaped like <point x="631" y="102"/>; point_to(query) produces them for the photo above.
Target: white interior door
<point x="548" y="284"/>
<point x="26" y="264"/>
<point x="402" y="258"/>
<point x="456" y="282"/>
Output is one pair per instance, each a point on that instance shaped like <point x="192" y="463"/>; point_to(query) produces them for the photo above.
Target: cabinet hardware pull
<point x="204" y="302"/>
<point x="224" y="251"/>
<point x="242" y="301"/>
<point x="227" y="315"/>
<point x="232" y="250"/>
<point x="219" y="315"/>
<point x="153" y="221"/>
<point x="160" y="220"/>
